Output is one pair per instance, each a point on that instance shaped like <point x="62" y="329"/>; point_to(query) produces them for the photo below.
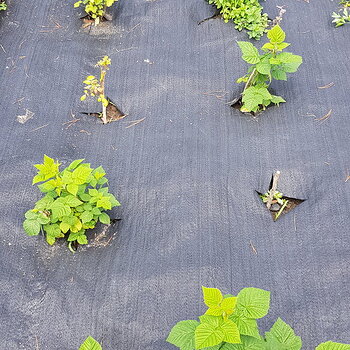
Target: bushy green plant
<point x="76" y="198"/>
<point x="230" y="323"/>
<point x="96" y="87"/>
<point x="343" y="16"/>
<point x="246" y="14"/>
<point x="90" y="344"/>
<point x="272" y="64"/>
<point x="3" y="6"/>
<point x="95" y="8"/>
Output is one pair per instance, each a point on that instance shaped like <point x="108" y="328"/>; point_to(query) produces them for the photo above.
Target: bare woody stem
<point x="273" y="189"/>
<point x="250" y="80"/>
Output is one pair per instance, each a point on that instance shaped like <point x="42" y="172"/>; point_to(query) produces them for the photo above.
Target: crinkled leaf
<point x="246" y="326"/>
<point x="182" y="334"/>
<point x="207" y="335"/>
<point x="104" y="218"/>
<point x="86" y="216"/>
<point x="90" y="344"/>
<point x="329" y="345"/>
<point x="253" y="302"/>
<point x="276" y="35"/>
<point x="231" y="332"/>
<point x="32" y="227"/>
<point x="212" y="297"/>
<point x="250" y="53"/>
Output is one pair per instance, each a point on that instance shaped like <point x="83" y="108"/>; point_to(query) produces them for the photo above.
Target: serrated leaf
<point x="72" y="201"/>
<point x="213" y="320"/>
<point x="329" y="345"/>
<point x="231" y="332"/>
<point x="73" y="189"/>
<point x="90" y="344"/>
<point x="207" y="335"/>
<point x="82" y="239"/>
<point x="290" y="63"/>
<point x="74" y="164"/>
<point x="253" y="302"/>
<point x="182" y="334"/>
<point x="81" y="174"/>
<point x="59" y="209"/>
<point x="105" y="203"/>
<point x="32" y="227"/>
<point x="264" y="66"/>
<point x="277" y="99"/>
<point x="45" y="202"/>
<point x="212" y="297"/>
<point x="104" y="218"/>
<point x="250" y="53"/>
<point x="64" y="227"/>
<point x="246" y="326"/>
<point x="282" y="333"/>
<point x="86" y="216"/>
<point x="276" y="35"/>
<point x="248" y="343"/>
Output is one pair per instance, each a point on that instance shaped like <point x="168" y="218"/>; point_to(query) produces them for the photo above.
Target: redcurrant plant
<point x="95" y="8"/>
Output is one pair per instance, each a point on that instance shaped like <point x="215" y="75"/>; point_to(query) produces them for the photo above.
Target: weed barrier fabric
<point x="186" y="174"/>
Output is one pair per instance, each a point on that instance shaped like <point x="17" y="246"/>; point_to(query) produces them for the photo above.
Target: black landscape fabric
<point x="185" y="167"/>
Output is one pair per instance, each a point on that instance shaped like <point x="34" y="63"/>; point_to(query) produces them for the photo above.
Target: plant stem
<point x="102" y="83"/>
<point x="281" y="210"/>
<point x="104" y="114"/>
<point x="250" y="79"/>
<point x="273" y="189"/>
<point x="70" y="247"/>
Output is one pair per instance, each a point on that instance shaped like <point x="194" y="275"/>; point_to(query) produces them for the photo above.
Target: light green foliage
<point x="95" y="8"/>
<point x="76" y="198"/>
<point x="246" y="14"/>
<point x="343" y="15"/>
<point x="96" y="87"/>
<point x="272" y="64"/>
<point x="228" y="323"/>
<point x="278" y="197"/>
<point x="329" y="345"/>
<point x="3" y="6"/>
<point x="90" y="344"/>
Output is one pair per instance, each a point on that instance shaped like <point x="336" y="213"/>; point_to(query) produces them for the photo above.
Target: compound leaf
<point x="207" y="335"/>
<point x="212" y="297"/>
<point x="182" y="334"/>
<point x="250" y="53"/>
<point x="253" y="302"/>
<point x="276" y="35"/>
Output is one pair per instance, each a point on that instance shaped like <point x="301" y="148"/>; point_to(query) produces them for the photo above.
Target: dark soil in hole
<point x="292" y="203"/>
<point x="113" y="112"/>
<point x="88" y="20"/>
<point x="214" y="16"/>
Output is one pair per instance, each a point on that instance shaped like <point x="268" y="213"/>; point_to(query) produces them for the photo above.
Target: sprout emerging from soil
<point x="96" y="87"/>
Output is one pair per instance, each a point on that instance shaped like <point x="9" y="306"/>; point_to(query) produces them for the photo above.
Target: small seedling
<point x="76" y="198"/>
<point x="96" y="87"/>
<point x="277" y="200"/>
<point x="343" y="16"/>
<point x="90" y="344"/>
<point x="3" y="6"/>
<point x="246" y="14"/>
<point x="272" y="64"/>
<point x="95" y="8"/>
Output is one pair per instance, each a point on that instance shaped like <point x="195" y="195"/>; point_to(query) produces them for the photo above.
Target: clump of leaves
<point x="228" y="321"/>
<point x="272" y="64"/>
<point x="3" y="6"/>
<point x="246" y="14"/>
<point x="90" y="344"/>
<point x="95" y="8"/>
<point x="96" y="87"/>
<point x="277" y="198"/>
<point x="343" y="16"/>
<point x="75" y="200"/>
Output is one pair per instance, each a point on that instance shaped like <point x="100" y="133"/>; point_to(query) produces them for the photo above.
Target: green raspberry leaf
<point x="281" y="335"/>
<point x="104" y="218"/>
<point x="32" y="227"/>
<point x="182" y="334"/>
<point x="212" y="297"/>
<point x="276" y="35"/>
<point x="207" y="335"/>
<point x="329" y="345"/>
<point x="250" y="53"/>
<point x="253" y="302"/>
<point x="90" y="344"/>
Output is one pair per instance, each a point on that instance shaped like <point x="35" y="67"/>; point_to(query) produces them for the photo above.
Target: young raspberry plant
<point x="343" y="16"/>
<point x="96" y="87"/>
<point x="95" y="8"/>
<point x="75" y="200"/>
<point x="90" y="344"/>
<point x="272" y="64"/>
<point x="3" y="6"/>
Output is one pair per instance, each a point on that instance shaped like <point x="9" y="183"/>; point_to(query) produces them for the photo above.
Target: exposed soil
<point x="113" y="112"/>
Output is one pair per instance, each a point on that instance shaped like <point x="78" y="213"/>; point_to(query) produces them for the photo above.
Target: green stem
<point x="281" y="210"/>
<point x="70" y="247"/>
<point x="251" y="78"/>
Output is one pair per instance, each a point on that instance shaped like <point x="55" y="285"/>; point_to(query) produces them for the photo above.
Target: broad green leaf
<point x="59" y="209"/>
<point x="329" y="345"/>
<point x="207" y="335"/>
<point x="86" y="216"/>
<point x="45" y="202"/>
<point x="253" y="302"/>
<point x="32" y="227"/>
<point x="104" y="218"/>
<point x="231" y="332"/>
<point x="47" y="170"/>
<point x="264" y="66"/>
<point x="81" y="174"/>
<point x="64" y="227"/>
<point x="248" y="343"/>
<point x="229" y="303"/>
<point x="85" y="197"/>
<point x="82" y="239"/>
<point x="74" y="235"/>
<point x="213" y="320"/>
<point x="276" y="35"/>
<point x="277" y="99"/>
<point x="53" y="230"/>
<point x="90" y="344"/>
<point x="290" y="63"/>
<point x="74" y="164"/>
<point x="282" y="333"/>
<point x="267" y="47"/>
<point x="72" y="201"/>
<point x="212" y="297"/>
<point x="182" y="334"/>
<point x="250" y="53"/>
<point x="31" y="215"/>
<point x="99" y="173"/>
<point x="73" y="189"/>
<point x="278" y="73"/>
<point x="105" y="203"/>
<point x="246" y="326"/>
<point x="43" y="219"/>
<point x="253" y="97"/>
